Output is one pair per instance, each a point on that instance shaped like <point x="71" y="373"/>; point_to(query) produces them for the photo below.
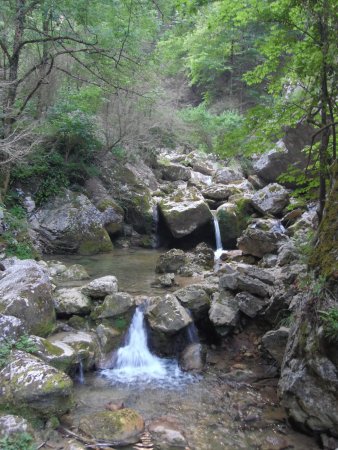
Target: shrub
<point x="21" y="441"/>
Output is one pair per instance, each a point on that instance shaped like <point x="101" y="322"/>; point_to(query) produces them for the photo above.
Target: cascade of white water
<point x="135" y="362"/>
<point x="135" y="356"/>
<point x="219" y="247"/>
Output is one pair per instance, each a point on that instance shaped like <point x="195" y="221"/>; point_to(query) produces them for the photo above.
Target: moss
<point x="52" y="349"/>
<point x="98" y="242"/>
<point x="44" y="329"/>
<point x="324" y="257"/>
<point x="109" y="203"/>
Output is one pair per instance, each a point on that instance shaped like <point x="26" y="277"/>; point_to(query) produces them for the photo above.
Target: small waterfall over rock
<point x="154" y="227"/>
<point x="80" y="375"/>
<point x="219" y="247"/>
<point x="135" y="362"/>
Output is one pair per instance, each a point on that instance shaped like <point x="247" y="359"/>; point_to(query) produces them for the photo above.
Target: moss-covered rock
<point x="119" y="428"/>
<point x="26" y="293"/>
<point x="324" y="257"/>
<point x="114" y="305"/>
<point x="70" y="223"/>
<point x="57" y="354"/>
<point x="85" y="345"/>
<point x="29" y="384"/>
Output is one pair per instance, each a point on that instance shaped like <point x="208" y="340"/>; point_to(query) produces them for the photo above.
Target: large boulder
<point x="115" y="428"/>
<point x="272" y="199"/>
<point x="167" y="315"/>
<point x="260" y="238"/>
<point x="68" y="301"/>
<point x="288" y="152"/>
<point x="167" y="434"/>
<point x="26" y="293"/>
<point x="184" y="212"/>
<point x="219" y="192"/>
<point x="192" y="358"/>
<point x="70" y="223"/>
<point x="30" y="384"/>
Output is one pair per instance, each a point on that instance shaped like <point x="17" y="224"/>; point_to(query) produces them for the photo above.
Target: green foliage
<point x="15" y="237"/>
<point x="330" y="322"/>
<point x="24" y="343"/>
<point x="22" y="441"/>
<point x="212" y="132"/>
<point x="306" y="184"/>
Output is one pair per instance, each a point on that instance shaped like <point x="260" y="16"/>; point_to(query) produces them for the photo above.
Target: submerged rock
<point x="167" y="434"/>
<point x="117" y="428"/>
<point x="26" y="293"/>
<point x="193" y="358"/>
<point x="30" y="384"/>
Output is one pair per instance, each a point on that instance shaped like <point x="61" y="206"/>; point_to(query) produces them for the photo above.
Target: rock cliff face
<point x="309" y="375"/>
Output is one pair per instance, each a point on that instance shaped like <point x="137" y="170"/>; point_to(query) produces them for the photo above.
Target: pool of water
<point x="134" y="269"/>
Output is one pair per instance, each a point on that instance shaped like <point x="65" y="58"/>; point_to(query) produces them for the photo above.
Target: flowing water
<point x="136" y="364"/>
<point x="232" y="405"/>
<point x="218" y="239"/>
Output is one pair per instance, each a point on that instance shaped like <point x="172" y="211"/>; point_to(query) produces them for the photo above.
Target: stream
<point x="232" y="405"/>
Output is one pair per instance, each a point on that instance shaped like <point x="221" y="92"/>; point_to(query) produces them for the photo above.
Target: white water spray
<point x="135" y="362"/>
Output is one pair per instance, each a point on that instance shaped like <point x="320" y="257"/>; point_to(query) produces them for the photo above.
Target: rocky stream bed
<point x="241" y="337"/>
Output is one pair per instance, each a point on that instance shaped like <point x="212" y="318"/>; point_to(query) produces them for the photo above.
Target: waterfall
<point x="219" y="247"/>
<point x="80" y="377"/>
<point x="135" y="362"/>
<point x="154" y="226"/>
<point x="135" y="356"/>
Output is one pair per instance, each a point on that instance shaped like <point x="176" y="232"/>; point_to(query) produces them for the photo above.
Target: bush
<point x="330" y="322"/>
<point x="22" y="441"/>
